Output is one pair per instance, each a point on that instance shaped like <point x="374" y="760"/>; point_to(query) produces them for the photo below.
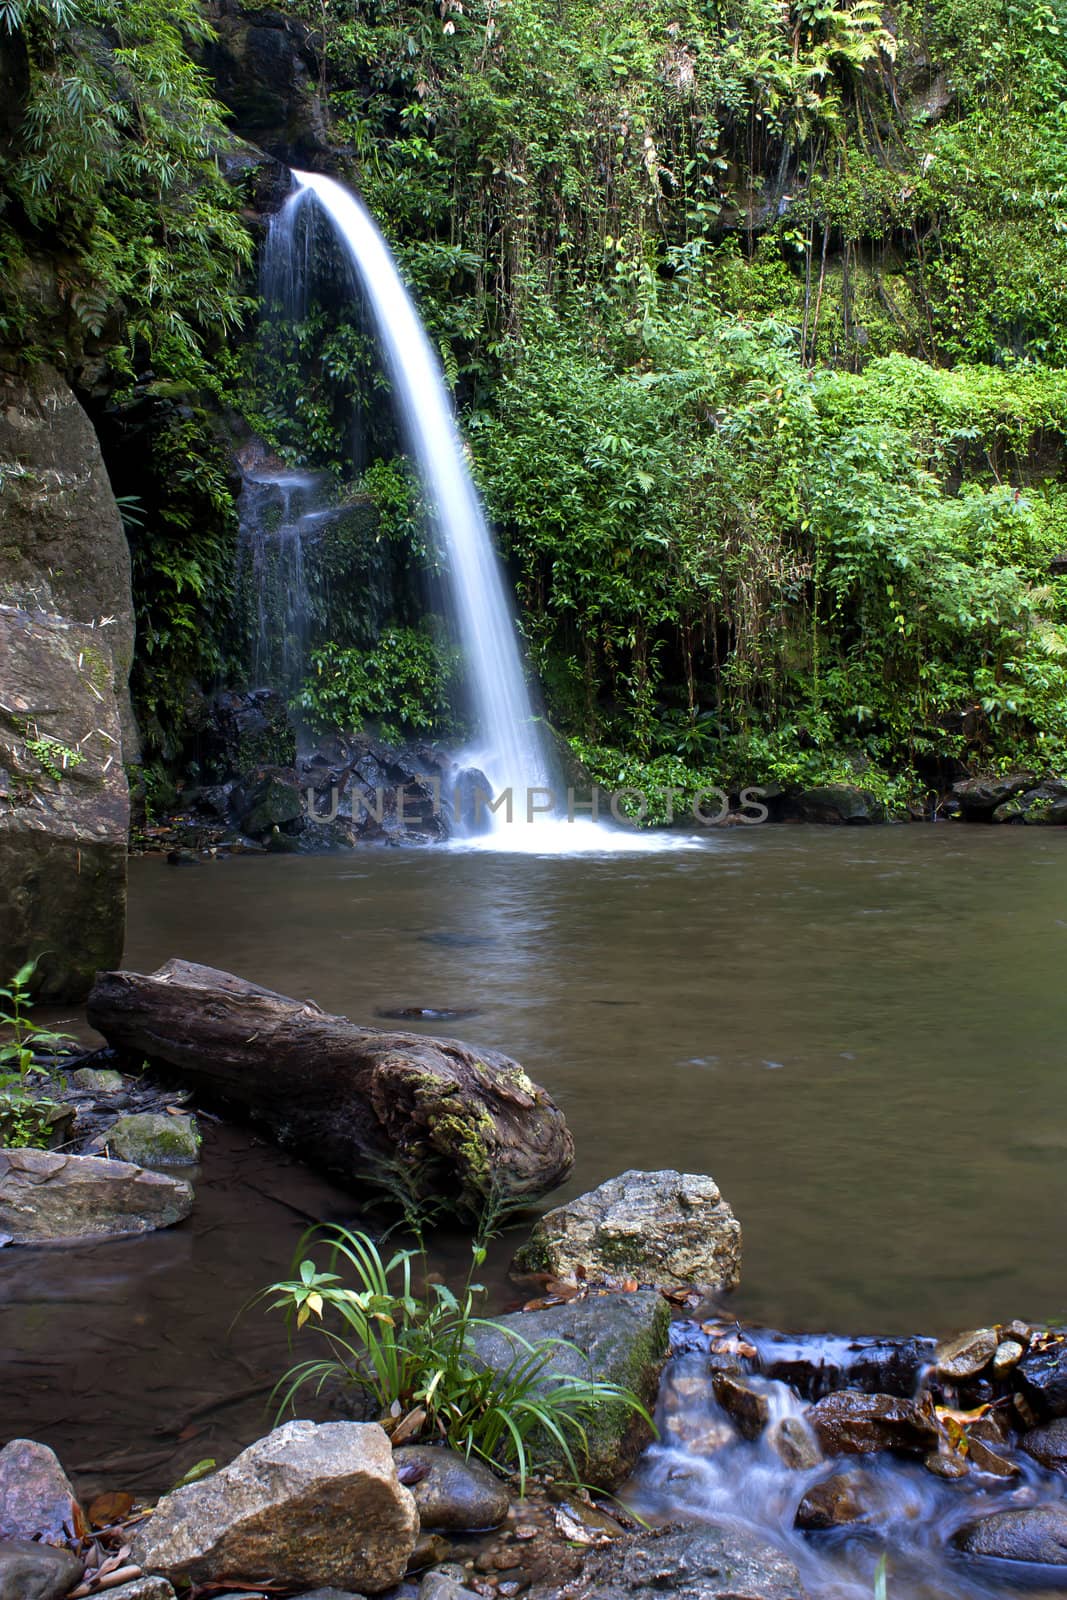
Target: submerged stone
<point x="836" y="1502"/>
<point x="1035" y="1534"/>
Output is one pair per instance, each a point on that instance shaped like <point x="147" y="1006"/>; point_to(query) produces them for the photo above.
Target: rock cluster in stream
<point x="108" y="1135"/>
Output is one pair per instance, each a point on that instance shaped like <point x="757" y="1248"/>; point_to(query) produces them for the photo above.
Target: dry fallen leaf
<point x="409" y="1427"/>
<point x="109" y="1508"/>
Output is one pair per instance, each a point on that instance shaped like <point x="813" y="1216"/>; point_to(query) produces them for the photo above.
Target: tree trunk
<point x="437" y="1117"/>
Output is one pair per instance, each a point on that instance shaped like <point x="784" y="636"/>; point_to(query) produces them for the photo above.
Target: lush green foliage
<point x="765" y="396"/>
<point x="18" y="1053"/>
<point x="411" y="1353"/>
<point x="112" y="182"/>
<point x="405" y="685"/>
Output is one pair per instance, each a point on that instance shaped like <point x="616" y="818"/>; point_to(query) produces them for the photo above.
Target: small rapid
<point x="700" y="1470"/>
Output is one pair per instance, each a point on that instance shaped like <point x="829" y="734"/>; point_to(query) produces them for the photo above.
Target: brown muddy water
<point x="861" y="1034"/>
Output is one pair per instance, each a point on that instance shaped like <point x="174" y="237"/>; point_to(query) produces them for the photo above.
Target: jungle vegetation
<point x="756" y="316"/>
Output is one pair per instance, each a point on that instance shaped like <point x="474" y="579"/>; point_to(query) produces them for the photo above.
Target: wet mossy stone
<point x="154" y="1139"/>
<point x="97" y="1080"/>
<point x="614" y="1338"/>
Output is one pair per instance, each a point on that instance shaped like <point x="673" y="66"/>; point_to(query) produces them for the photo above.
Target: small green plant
<point x="413" y="1354"/>
<point x="56" y="758"/>
<point x="20" y="1051"/>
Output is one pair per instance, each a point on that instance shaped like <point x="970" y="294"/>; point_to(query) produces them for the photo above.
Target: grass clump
<point x="412" y="1352"/>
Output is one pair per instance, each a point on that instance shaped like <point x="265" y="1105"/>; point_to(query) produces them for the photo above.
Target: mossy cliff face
<point x="64" y="803"/>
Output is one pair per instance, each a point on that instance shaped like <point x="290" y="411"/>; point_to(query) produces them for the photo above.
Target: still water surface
<point x="860" y="1034"/>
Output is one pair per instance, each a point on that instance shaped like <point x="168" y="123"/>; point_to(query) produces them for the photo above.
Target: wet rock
<point x="836" y="1502"/>
<point x="1032" y="1533"/>
<point x="1048" y="1445"/>
<point x="946" y="1464"/>
<point x="618" y="1338"/>
<point x="967" y="1355"/>
<point x="716" y="1561"/>
<point x="1042" y="1377"/>
<point x="457" y="1495"/>
<point x="978" y="798"/>
<point x="430" y="1550"/>
<point x="795" y="1444"/>
<point x="1021" y="1331"/>
<point x="64" y="803"/>
<point x="311" y="1504"/>
<point x="659" y="1227"/>
<point x="836" y="804"/>
<point x="264" y="67"/>
<point x="984" y="1459"/>
<point x="50" y="1198"/>
<point x="145" y="1589"/>
<point x="266" y="799"/>
<point x="816" y="1365"/>
<point x="697" y="1433"/>
<point x="443" y="1586"/>
<point x="36" y="1571"/>
<point x="97" y="1080"/>
<point x="746" y="1405"/>
<point x="36" y="1499"/>
<point x="851" y="1423"/>
<point x="154" y="1139"/>
<point x="321" y="1594"/>
<point x="1008" y="1354"/>
<point x="1043" y="806"/>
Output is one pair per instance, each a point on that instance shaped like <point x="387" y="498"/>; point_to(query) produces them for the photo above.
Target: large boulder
<point x="1031" y="1533"/>
<point x="717" y="1561"/>
<point x="978" y="798"/>
<point x="837" y="804"/>
<point x="1043" y="806"/>
<point x="264" y="66"/>
<point x="311" y="1504"/>
<point x="64" y="803"/>
<point x="63" y="548"/>
<point x="48" y="1198"/>
<point x="36" y="1499"/>
<point x="659" y="1227"/>
<point x="616" y="1338"/>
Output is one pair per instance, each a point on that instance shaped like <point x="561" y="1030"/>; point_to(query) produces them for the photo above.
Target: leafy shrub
<point x="405" y="685"/>
<point x="412" y="1354"/>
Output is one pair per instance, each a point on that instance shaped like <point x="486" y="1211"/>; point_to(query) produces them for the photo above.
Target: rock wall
<point x="64" y="802"/>
<point x="62" y="546"/>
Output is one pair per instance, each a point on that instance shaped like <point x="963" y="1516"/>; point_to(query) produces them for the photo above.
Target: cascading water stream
<point x="510" y="744"/>
<point x="511" y="747"/>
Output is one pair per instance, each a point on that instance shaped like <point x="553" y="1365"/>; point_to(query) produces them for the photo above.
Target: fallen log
<point x="458" y="1125"/>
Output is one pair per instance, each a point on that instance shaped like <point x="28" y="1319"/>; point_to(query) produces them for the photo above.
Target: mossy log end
<point x="455" y="1124"/>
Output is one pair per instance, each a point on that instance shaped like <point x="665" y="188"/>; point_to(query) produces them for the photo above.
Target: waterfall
<point x="511" y="747"/>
